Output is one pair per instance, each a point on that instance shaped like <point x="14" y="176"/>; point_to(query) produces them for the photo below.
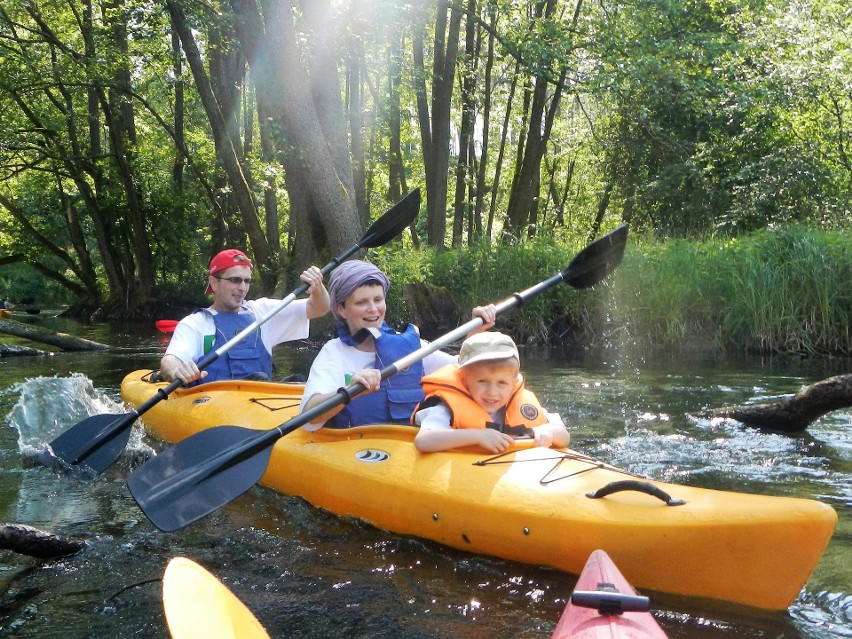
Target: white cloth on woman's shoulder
<point x="194" y="335"/>
<point x="337" y="362"/>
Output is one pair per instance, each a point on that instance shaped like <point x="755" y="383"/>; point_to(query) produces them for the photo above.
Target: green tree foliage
<point x="137" y="138"/>
<point x="715" y="119"/>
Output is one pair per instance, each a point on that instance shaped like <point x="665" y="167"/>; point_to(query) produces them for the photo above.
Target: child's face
<point x="490" y="384"/>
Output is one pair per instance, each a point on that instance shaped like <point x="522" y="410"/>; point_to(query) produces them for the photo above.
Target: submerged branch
<point x="27" y="540"/>
<point x="8" y="350"/>
<point x="794" y="413"/>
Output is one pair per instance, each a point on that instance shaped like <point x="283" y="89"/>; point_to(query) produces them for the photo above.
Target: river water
<point x="308" y="573"/>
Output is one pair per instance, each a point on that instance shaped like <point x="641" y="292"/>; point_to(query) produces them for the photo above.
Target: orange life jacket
<point x="445" y="384"/>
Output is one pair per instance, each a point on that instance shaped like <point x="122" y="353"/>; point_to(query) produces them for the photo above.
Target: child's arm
<point x="433" y="440"/>
<point x="436" y="434"/>
<point x="553" y="433"/>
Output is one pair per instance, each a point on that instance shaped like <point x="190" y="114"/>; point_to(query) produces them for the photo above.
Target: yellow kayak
<point x="199" y="605"/>
<point x="539" y="506"/>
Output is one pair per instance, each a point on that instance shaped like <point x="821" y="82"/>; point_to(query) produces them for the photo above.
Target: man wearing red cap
<point x="205" y="330"/>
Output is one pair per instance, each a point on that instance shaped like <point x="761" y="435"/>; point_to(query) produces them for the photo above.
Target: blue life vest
<point x="244" y="358"/>
<point x="397" y="396"/>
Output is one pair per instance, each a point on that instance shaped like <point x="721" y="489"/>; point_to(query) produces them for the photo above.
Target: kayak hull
<point x="198" y="605"/>
<point x="529" y="506"/>
<point x="577" y="622"/>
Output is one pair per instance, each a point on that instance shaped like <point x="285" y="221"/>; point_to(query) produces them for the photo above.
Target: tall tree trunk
<point x="523" y="200"/>
<point x="603" y="205"/>
<point x="355" y="108"/>
<point x="179" y="113"/>
<point x="504" y="142"/>
<point x="482" y="167"/>
<point x="464" y="165"/>
<point x="558" y="196"/>
<point x="423" y="119"/>
<point x="309" y="112"/>
<point x="398" y="183"/>
<point x="86" y="270"/>
<point x="85" y="173"/>
<point x="226" y="151"/>
<point x="437" y="158"/>
<point x="121" y="125"/>
<point x="270" y="200"/>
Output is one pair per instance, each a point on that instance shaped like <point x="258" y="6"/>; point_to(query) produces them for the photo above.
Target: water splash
<point x="747" y="454"/>
<point x="48" y="406"/>
<point x="829" y="611"/>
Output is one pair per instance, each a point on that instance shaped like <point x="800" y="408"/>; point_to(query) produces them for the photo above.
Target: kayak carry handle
<point x="638" y="486"/>
<point x="610" y="603"/>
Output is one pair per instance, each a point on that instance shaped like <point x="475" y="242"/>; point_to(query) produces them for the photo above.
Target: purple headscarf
<point x="349" y="276"/>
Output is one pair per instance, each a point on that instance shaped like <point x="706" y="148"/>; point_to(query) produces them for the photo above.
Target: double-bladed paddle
<point x="206" y="471"/>
<point x="97" y="441"/>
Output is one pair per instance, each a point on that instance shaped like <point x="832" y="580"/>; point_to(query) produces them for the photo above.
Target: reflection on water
<point x="308" y="573"/>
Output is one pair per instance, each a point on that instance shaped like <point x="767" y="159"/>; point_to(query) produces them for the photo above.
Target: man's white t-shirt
<point x="195" y="334"/>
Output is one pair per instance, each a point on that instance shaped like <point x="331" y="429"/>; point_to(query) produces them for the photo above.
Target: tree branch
<point x="794" y="413"/>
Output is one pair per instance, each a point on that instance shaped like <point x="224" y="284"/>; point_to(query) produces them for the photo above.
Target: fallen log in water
<point x="794" y="413"/>
<point x="61" y="340"/>
<point x="7" y="350"/>
<point x="27" y="540"/>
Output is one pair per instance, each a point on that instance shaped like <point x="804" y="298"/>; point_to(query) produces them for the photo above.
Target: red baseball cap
<point x="226" y="259"/>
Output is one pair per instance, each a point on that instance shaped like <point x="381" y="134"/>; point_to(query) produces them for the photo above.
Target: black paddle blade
<point x="597" y="260"/>
<point x="96" y="442"/>
<point x="393" y="222"/>
<point x="189" y="480"/>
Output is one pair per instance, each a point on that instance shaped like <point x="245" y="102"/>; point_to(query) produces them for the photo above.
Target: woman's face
<point x="364" y="308"/>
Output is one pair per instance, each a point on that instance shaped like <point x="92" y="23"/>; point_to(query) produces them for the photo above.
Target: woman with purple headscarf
<point x="364" y="345"/>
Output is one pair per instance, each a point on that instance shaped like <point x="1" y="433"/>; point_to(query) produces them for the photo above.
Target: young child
<point x="482" y="401"/>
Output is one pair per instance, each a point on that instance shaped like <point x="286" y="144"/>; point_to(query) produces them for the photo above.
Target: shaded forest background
<point x="137" y="138"/>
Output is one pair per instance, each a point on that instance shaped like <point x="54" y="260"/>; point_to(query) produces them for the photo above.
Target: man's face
<point x="230" y="288"/>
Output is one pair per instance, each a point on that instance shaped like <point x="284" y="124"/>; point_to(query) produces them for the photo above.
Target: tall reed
<point x="780" y="290"/>
<point x="480" y="275"/>
<point x="776" y="290"/>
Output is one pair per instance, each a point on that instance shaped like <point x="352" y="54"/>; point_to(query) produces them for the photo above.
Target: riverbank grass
<point x="776" y="290"/>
